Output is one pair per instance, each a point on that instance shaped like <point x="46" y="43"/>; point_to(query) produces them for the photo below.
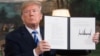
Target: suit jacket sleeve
<point x="12" y="48"/>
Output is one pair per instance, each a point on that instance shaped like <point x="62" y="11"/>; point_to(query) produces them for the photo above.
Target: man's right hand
<point x="42" y="47"/>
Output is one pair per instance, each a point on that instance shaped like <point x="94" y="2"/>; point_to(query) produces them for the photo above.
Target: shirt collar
<point x="31" y="30"/>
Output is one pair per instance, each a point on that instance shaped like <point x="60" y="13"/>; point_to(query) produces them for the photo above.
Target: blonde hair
<point x="27" y="3"/>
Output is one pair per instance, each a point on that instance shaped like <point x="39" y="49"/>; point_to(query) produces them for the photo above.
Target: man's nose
<point x="31" y="13"/>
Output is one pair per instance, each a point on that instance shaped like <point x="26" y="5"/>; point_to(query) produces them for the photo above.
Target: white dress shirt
<point x="38" y="36"/>
<point x="38" y="30"/>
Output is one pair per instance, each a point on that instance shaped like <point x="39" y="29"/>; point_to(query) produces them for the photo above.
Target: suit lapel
<point x="27" y="36"/>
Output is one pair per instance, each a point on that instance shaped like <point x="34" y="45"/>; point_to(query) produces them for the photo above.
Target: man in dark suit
<point x="21" y="42"/>
<point x="28" y="40"/>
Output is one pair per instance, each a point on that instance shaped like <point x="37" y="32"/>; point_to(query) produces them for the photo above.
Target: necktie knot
<point x="34" y="32"/>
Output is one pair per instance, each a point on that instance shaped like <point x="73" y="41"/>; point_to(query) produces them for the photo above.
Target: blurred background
<point x="10" y="14"/>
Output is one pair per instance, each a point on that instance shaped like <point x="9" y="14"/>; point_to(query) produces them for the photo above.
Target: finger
<point x="43" y="41"/>
<point x="96" y="36"/>
<point x="97" y="33"/>
<point x="96" y="41"/>
<point x="44" y="46"/>
<point x="45" y="49"/>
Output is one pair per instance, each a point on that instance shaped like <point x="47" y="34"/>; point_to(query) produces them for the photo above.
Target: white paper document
<point x="74" y="33"/>
<point x="82" y="31"/>
<point x="56" y="32"/>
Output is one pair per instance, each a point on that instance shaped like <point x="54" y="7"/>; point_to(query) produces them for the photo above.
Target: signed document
<point x="82" y="31"/>
<point x="70" y="33"/>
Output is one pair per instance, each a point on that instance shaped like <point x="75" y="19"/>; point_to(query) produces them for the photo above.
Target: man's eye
<point x="34" y="10"/>
<point x="26" y="11"/>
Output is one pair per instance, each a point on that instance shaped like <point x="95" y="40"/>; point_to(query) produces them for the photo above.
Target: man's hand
<point x="96" y="37"/>
<point x="42" y="47"/>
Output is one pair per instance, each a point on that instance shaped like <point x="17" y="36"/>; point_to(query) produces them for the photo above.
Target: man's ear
<point x="22" y="18"/>
<point x="41" y="16"/>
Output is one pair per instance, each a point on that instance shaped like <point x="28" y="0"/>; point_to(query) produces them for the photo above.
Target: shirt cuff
<point x="35" y="54"/>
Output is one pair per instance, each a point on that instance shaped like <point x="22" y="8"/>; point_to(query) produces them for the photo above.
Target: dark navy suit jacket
<point x="20" y="43"/>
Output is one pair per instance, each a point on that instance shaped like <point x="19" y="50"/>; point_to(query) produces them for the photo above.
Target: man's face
<point x="31" y="15"/>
